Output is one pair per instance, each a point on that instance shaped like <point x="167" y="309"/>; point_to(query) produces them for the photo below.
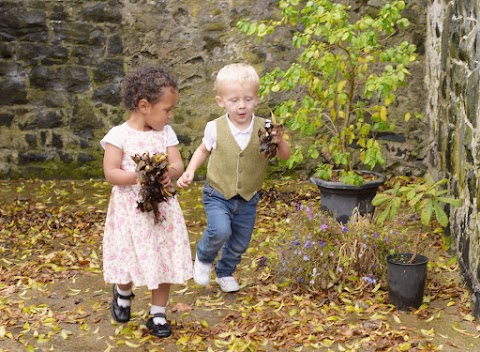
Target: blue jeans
<point x="229" y="227"/>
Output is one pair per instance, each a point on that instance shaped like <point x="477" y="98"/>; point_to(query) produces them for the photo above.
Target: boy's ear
<point x="219" y="101"/>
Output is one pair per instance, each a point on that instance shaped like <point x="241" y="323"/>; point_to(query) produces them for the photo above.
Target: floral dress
<point x="135" y="248"/>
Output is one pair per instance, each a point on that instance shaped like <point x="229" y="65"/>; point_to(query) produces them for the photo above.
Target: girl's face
<point x="157" y="115"/>
<point x="239" y="100"/>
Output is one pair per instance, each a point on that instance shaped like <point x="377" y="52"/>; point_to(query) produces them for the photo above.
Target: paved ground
<point x="72" y="313"/>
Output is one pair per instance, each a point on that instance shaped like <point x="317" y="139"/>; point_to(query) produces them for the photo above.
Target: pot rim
<point x="419" y="260"/>
<point x="340" y="185"/>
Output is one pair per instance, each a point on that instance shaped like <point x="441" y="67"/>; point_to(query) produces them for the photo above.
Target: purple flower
<point x="305" y="257"/>
<point x="344" y="228"/>
<point x="323" y="227"/>
<point x="307" y="244"/>
<point x="299" y="206"/>
<point x="322" y="244"/>
<point x="376" y="235"/>
<point x="370" y="279"/>
<point x="309" y="212"/>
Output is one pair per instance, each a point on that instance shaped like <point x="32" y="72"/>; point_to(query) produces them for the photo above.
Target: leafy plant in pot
<point x="406" y="272"/>
<point x="341" y="88"/>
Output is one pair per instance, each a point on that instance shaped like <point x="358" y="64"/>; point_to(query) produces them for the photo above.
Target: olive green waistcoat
<point x="233" y="171"/>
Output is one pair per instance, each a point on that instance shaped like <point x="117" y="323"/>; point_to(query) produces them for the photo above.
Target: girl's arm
<point x="199" y="156"/>
<point x="112" y="159"/>
<point x="176" y="166"/>
<point x="284" y="151"/>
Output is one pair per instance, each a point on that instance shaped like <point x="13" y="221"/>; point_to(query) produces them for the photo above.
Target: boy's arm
<point x="199" y="156"/>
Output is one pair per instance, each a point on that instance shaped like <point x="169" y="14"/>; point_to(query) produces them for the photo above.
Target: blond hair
<point x="240" y="72"/>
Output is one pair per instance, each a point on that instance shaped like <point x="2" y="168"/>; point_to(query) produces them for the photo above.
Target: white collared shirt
<point x="241" y="137"/>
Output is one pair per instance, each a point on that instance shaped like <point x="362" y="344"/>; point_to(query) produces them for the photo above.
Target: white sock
<point x="123" y="302"/>
<point x="155" y="310"/>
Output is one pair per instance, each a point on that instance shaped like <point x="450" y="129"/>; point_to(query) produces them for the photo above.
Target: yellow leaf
<point x="397" y="319"/>
<point x="430" y="332"/>
<point x="469" y="317"/>
<point x="341" y="86"/>
<point x="451" y="303"/>
<point x="383" y="113"/>
<point x="404" y="346"/>
<point x="131" y="344"/>
<point x="407" y="116"/>
<point x="376" y="288"/>
<point x="293" y="312"/>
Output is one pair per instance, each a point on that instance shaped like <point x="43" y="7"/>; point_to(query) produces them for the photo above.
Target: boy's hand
<point x="186" y="179"/>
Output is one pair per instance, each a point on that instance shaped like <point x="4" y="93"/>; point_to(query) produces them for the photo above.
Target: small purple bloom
<point x="306" y="258"/>
<point x="309" y="212"/>
<point x="370" y="279"/>
<point x="344" y="228"/>
<point x="323" y="227"/>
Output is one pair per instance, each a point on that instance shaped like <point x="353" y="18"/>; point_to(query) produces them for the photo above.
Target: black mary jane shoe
<point x="120" y="314"/>
<point x="159" y="330"/>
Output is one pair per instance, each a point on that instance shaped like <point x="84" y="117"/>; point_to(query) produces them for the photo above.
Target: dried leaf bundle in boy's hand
<point x="270" y="135"/>
<point x="150" y="171"/>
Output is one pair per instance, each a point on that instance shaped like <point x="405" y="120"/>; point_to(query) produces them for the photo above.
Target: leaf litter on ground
<point x="52" y="294"/>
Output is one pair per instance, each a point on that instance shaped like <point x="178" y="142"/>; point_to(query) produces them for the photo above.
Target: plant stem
<point x="415" y="250"/>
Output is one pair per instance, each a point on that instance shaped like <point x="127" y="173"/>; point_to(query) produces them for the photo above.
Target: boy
<point x="235" y="173"/>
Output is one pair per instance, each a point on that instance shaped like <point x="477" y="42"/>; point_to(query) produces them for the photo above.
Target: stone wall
<point x="453" y="51"/>
<point x="61" y="63"/>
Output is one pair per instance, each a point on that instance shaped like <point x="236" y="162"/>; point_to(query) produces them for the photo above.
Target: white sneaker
<point x="228" y="284"/>
<point x="201" y="272"/>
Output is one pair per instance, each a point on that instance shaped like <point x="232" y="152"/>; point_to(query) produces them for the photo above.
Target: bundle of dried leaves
<point x="269" y="140"/>
<point x="150" y="170"/>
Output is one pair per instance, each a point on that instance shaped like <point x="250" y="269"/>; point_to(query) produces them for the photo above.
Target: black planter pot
<point x="406" y="282"/>
<point x="340" y="199"/>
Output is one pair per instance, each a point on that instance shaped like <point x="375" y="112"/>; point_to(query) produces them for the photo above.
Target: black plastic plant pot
<point x="340" y="199"/>
<point x="406" y="282"/>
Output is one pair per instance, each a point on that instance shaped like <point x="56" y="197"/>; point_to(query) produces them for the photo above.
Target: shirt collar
<point x="235" y="130"/>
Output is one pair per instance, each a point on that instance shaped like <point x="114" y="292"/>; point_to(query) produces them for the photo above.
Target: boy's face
<point x="239" y="100"/>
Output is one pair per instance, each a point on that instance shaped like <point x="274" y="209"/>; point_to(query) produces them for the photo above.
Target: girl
<point x="136" y="250"/>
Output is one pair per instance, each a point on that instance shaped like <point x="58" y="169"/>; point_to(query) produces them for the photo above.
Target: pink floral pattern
<point x="135" y="249"/>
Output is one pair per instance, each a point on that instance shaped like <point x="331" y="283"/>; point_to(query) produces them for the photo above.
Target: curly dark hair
<point x="145" y="82"/>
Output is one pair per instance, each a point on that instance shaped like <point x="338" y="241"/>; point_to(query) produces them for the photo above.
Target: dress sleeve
<point x="113" y="137"/>
<point x="171" y="136"/>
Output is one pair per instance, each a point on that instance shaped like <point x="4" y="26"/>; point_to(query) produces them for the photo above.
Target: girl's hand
<point x="277" y="133"/>
<point x="166" y="180"/>
<point x="186" y="179"/>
